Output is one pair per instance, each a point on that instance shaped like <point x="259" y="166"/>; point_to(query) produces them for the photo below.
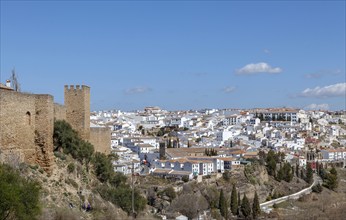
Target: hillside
<point x="328" y="204"/>
<point x="69" y="186"/>
<point x="63" y="192"/>
<point x="247" y="180"/>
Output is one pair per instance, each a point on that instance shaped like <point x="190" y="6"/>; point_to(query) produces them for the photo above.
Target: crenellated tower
<point x="77" y="103"/>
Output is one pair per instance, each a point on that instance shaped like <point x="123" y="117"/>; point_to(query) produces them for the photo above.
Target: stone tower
<point x="77" y="103"/>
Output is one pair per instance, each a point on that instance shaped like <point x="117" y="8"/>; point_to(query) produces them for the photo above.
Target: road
<point x="265" y="207"/>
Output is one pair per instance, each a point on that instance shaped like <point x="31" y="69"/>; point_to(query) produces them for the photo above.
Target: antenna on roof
<point x="15" y="83"/>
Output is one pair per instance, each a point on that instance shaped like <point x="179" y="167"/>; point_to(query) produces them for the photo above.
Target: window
<point x="28" y="118"/>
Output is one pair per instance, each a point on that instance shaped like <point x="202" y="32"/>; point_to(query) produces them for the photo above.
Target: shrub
<point x="60" y="155"/>
<point x="185" y="179"/>
<point x="103" y="167"/>
<point x="122" y="196"/>
<point x="70" y="167"/>
<point x="66" y="138"/>
<point x="226" y="176"/>
<point x="72" y="183"/>
<point x="19" y="197"/>
<point x="317" y="188"/>
<point x="169" y="191"/>
<point x="34" y="167"/>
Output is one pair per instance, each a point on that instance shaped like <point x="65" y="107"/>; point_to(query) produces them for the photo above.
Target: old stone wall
<point x="100" y="137"/>
<point x="17" y="126"/>
<point x="59" y="112"/>
<point x="27" y="125"/>
<point x="77" y="102"/>
<point x="44" y="122"/>
<point x="26" y="128"/>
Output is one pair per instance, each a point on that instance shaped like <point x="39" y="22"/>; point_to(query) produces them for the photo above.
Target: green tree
<point x="170" y="192"/>
<point x="271" y="167"/>
<point x="122" y="196"/>
<point x="117" y="179"/>
<point x="286" y="172"/>
<point x="222" y="204"/>
<point x="302" y="174"/>
<point x="234" y="201"/>
<point x="239" y="203"/>
<point x="280" y="174"/>
<point x="66" y="138"/>
<point x="19" y="197"/>
<point x="333" y="171"/>
<point x="297" y="170"/>
<point x="309" y="173"/>
<point x="256" y="210"/>
<point x="317" y="188"/>
<point x="103" y="167"/>
<point x="85" y="152"/>
<point x="331" y="179"/>
<point x="245" y="207"/>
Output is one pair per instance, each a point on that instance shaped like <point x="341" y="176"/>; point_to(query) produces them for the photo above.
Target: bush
<point x="71" y="167"/>
<point x="34" y="167"/>
<point x="72" y="183"/>
<point x="122" y="196"/>
<point x="169" y="191"/>
<point x="185" y="179"/>
<point x="66" y="138"/>
<point x="317" y="188"/>
<point x="226" y="176"/>
<point x="60" y="155"/>
<point x="19" y="197"/>
<point x="118" y="179"/>
<point x="103" y="167"/>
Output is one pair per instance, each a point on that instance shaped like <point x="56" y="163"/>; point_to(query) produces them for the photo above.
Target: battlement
<point x="76" y="87"/>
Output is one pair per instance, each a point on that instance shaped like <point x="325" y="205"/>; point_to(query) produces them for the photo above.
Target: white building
<point x="334" y="154"/>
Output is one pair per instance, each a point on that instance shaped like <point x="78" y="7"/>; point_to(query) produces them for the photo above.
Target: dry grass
<point x="326" y="205"/>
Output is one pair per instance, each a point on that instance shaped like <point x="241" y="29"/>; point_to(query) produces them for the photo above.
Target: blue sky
<point x="180" y="55"/>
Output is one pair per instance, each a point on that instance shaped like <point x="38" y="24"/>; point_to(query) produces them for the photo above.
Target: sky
<point x="179" y="55"/>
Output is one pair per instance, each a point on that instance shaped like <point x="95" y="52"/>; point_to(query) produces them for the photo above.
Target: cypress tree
<point x="234" y="201"/>
<point x="256" y="210"/>
<point x="245" y="207"/>
<point x="239" y="202"/>
<point x="222" y="204"/>
<point x="301" y="174"/>
<point x="309" y="173"/>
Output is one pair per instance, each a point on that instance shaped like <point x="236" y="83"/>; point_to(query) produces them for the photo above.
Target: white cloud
<point x="229" y="89"/>
<point x="322" y="73"/>
<point x="137" y="90"/>
<point x="335" y="90"/>
<point x="313" y="75"/>
<point x="254" y="68"/>
<point x="266" y="51"/>
<point x="323" y="106"/>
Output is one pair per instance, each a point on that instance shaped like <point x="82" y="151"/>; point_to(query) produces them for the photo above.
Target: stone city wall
<point x="44" y="122"/>
<point x="59" y="112"/>
<point x="100" y="137"/>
